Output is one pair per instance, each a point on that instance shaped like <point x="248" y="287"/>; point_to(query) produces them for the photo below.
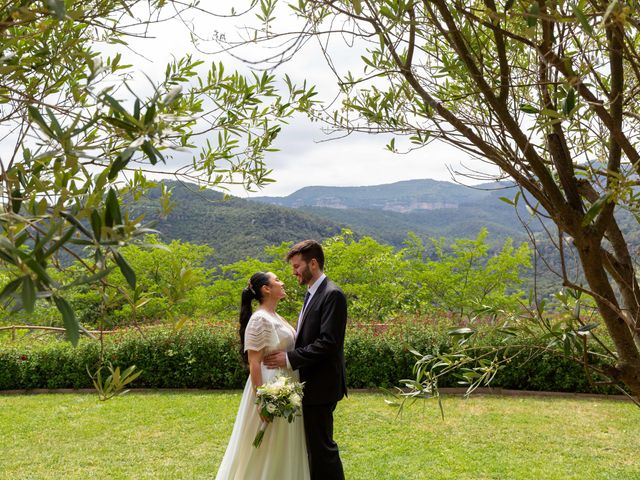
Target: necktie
<point x="306" y="299"/>
<point x="304" y="305"/>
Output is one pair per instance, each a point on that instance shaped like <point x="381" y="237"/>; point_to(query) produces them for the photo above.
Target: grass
<point x="184" y="435"/>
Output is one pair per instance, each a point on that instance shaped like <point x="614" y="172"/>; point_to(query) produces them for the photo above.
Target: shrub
<point x="207" y="356"/>
<point x="549" y="371"/>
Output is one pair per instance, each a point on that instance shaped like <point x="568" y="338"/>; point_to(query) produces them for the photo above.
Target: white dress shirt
<point x="311" y="290"/>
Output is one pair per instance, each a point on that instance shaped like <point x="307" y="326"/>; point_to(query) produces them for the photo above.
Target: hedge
<point x="207" y="357"/>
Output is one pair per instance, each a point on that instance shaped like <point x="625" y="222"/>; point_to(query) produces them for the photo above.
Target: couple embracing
<point x="312" y="354"/>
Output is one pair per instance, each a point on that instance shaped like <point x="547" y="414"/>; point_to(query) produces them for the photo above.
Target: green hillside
<point x="428" y="208"/>
<point x="237" y="228"/>
<point x="451" y="223"/>
<point x="234" y="227"/>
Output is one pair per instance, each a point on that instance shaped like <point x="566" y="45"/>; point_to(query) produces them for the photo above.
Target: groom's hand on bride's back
<point x="275" y="360"/>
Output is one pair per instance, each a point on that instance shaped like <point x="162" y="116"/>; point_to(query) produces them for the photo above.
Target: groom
<point x="319" y="356"/>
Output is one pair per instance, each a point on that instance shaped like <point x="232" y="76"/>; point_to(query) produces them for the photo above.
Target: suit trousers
<point x="324" y="458"/>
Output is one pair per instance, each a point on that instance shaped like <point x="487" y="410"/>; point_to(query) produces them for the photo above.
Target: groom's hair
<point x="308" y="249"/>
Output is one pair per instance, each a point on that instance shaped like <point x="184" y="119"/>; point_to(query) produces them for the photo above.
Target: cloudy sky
<point x="307" y="156"/>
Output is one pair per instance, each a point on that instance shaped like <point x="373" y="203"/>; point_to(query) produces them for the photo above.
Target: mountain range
<point x="237" y="228"/>
<point x="428" y="208"/>
<point x="402" y="197"/>
<point x="234" y="227"/>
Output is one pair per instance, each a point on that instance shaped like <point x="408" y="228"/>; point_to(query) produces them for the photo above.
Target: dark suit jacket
<point x="319" y="352"/>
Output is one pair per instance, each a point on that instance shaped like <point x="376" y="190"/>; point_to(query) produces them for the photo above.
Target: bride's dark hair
<point x="252" y="291"/>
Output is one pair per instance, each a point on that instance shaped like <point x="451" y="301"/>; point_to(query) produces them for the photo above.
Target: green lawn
<point x="183" y="435"/>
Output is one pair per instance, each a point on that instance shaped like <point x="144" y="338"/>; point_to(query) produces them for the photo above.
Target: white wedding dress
<point x="283" y="452"/>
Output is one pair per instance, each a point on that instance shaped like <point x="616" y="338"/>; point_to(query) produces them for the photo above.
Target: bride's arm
<point x="255" y="372"/>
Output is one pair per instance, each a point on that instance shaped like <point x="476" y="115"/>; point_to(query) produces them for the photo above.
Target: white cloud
<point x="304" y="158"/>
<point x="353" y="161"/>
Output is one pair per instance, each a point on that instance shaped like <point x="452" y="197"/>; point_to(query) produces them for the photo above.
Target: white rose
<point x="296" y="401"/>
<point x="271" y="408"/>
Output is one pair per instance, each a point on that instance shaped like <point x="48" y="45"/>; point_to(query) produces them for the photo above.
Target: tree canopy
<point x="544" y="90"/>
<point x="79" y="137"/>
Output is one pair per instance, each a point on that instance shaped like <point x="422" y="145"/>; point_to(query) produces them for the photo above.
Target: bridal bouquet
<point x="280" y="398"/>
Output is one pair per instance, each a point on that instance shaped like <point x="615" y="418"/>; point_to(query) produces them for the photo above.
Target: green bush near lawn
<point x="198" y="357"/>
<point x="207" y="356"/>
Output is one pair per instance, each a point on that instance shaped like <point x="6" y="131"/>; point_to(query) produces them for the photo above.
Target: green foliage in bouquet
<point x="280" y="398"/>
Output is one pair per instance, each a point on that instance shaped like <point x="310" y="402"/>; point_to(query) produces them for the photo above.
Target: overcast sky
<point x="306" y="157"/>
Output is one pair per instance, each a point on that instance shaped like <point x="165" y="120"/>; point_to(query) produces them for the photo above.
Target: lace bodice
<point x="268" y="331"/>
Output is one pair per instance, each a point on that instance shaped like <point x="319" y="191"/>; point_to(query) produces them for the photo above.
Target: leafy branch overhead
<point x="79" y="140"/>
<point x="544" y="91"/>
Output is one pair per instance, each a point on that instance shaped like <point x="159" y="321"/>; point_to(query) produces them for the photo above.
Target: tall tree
<point x="78" y="136"/>
<point x="546" y="90"/>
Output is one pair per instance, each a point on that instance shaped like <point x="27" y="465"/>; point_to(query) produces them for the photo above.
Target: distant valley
<point x="428" y="208"/>
<point x="237" y="228"/>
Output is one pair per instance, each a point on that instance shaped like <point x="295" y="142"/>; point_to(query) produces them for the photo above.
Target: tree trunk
<point x="627" y="369"/>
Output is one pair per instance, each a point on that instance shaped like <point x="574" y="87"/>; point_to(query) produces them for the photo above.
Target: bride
<point x="283" y="452"/>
